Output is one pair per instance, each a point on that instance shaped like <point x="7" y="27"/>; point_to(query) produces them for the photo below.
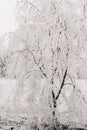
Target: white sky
<point x="7" y="16"/>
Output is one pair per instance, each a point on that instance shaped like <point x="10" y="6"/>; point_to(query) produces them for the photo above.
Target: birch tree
<point x="47" y="44"/>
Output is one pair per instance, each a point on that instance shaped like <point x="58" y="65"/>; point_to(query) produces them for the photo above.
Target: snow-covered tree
<point x="48" y="46"/>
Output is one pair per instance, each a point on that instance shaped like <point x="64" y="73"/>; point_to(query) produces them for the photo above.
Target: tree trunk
<point x="54" y="107"/>
<point x="54" y="110"/>
<point x="55" y="98"/>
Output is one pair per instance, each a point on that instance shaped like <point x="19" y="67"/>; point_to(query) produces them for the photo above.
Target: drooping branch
<point x="72" y="79"/>
<point x="70" y="84"/>
<point x="34" y="59"/>
<point x="40" y="68"/>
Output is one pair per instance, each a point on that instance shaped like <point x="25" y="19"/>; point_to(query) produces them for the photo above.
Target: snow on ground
<point x="13" y="123"/>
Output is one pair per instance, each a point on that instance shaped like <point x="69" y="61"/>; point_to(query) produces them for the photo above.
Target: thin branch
<point x="37" y="63"/>
<point x="40" y="68"/>
<point x="62" y="85"/>
<point x="70" y="84"/>
<point x="70" y="78"/>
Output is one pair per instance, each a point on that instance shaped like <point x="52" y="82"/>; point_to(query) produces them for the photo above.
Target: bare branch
<point x="70" y="78"/>
<point x="62" y="85"/>
<point x="31" y="52"/>
<point x="70" y="84"/>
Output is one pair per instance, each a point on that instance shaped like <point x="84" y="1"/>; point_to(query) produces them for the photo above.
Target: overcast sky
<point x="7" y="16"/>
